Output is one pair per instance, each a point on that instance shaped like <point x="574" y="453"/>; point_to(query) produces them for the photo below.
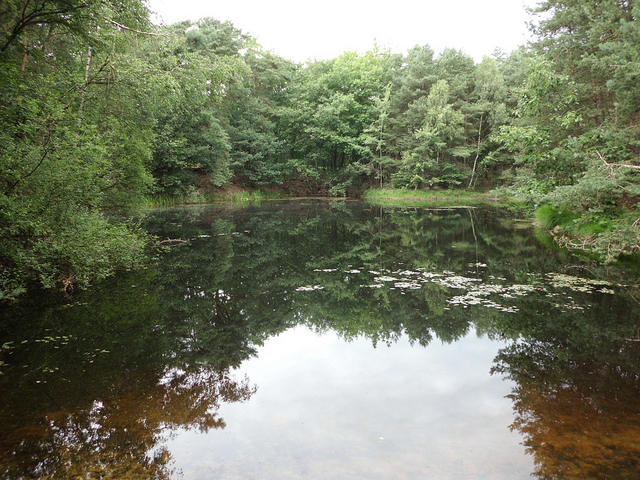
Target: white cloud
<point x="327" y="408"/>
<point x="304" y="30"/>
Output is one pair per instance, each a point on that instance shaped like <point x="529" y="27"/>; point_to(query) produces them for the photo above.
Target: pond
<point x="329" y="339"/>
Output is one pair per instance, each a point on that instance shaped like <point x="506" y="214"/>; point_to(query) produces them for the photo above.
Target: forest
<point x="102" y="110"/>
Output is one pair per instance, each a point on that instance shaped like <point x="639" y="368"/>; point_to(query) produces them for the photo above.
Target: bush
<point x="75" y="249"/>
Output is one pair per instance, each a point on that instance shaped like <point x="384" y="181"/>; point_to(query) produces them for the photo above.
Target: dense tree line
<point x="100" y="108"/>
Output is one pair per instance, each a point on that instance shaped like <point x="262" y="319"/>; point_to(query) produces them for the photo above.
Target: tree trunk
<point x="87" y="67"/>
<point x="334" y="159"/>
<point x="475" y="160"/>
<point x="24" y="56"/>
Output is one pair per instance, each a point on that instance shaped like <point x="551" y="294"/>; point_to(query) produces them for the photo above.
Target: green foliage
<point x="187" y="145"/>
<point x="256" y="101"/>
<point x="191" y="133"/>
<point x="356" y="119"/>
<point x="575" y="134"/>
<point x="549" y="217"/>
<point x="76" y="140"/>
<point x="98" y="111"/>
<point x="416" y="172"/>
<point x="334" y="107"/>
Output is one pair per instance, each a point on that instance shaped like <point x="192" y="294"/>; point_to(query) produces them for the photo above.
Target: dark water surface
<point x="329" y="340"/>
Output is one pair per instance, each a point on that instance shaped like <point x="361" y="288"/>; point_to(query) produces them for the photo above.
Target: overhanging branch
<point x="124" y="27"/>
<point x="613" y="166"/>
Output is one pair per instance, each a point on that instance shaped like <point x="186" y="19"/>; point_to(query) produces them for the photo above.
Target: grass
<point x="247" y="196"/>
<point x="594" y="237"/>
<point x="197" y="198"/>
<point x="549" y="217"/>
<point x="380" y="196"/>
<point x="437" y="197"/>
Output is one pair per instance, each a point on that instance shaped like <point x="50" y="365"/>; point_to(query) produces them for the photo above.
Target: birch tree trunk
<point x="475" y="160"/>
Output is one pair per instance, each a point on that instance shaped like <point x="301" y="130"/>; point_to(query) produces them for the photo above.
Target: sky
<point x="301" y="31"/>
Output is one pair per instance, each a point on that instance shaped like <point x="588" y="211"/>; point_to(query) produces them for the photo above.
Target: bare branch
<point x="124" y="27"/>
<point x="38" y="14"/>
<point x="612" y="166"/>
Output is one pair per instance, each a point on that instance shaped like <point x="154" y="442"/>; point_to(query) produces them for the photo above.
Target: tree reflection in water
<point x="577" y="400"/>
<point x="91" y="388"/>
<point x="120" y="435"/>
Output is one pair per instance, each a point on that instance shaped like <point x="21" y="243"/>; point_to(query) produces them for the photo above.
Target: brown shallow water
<point x="315" y="339"/>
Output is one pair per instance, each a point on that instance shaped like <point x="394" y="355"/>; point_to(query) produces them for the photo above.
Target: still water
<point x="320" y="340"/>
<point x="326" y="408"/>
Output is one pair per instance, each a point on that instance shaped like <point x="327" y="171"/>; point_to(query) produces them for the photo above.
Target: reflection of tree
<point x="577" y="399"/>
<point x="109" y="378"/>
<point x="257" y="257"/>
<point x="154" y="351"/>
<point x="118" y="436"/>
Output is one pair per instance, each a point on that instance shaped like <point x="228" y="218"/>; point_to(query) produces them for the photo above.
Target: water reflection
<point x="117" y="436"/>
<point x="577" y="399"/>
<point x="100" y="385"/>
<point x="94" y="388"/>
<point x="328" y="408"/>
